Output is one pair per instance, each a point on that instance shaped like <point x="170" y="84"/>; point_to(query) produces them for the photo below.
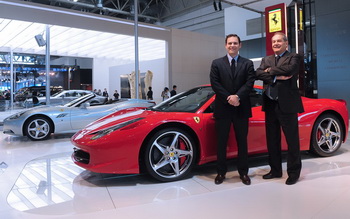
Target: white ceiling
<point x="66" y="41"/>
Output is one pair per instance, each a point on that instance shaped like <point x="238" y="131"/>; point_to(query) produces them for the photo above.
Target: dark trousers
<point x="275" y="120"/>
<point x="240" y="126"/>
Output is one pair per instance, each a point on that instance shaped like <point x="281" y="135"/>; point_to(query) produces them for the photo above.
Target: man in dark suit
<point x="281" y="103"/>
<point x="173" y="91"/>
<point x="232" y="78"/>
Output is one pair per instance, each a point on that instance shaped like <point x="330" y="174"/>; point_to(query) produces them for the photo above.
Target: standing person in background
<point x="281" y="103"/>
<point x="116" y="95"/>
<point x="150" y="94"/>
<point x="105" y="93"/>
<point x="232" y="78"/>
<point x="99" y="92"/>
<point x="165" y="93"/>
<point x="173" y="91"/>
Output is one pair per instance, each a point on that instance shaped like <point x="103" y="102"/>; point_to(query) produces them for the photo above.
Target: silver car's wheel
<point x="170" y="155"/>
<point x="327" y="135"/>
<point x="38" y="128"/>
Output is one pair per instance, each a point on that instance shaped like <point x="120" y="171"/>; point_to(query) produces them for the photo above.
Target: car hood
<point x="44" y="109"/>
<point x="115" y="118"/>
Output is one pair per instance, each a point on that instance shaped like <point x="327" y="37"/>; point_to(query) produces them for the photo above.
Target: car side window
<point x="188" y="101"/>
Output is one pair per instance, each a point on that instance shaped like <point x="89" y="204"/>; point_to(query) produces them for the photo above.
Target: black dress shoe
<point x="291" y="180"/>
<point x="271" y="176"/>
<point x="245" y="179"/>
<point x="219" y="179"/>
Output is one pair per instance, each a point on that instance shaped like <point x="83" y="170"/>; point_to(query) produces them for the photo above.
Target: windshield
<point x="80" y="100"/>
<point x="189" y="101"/>
<point x="58" y="93"/>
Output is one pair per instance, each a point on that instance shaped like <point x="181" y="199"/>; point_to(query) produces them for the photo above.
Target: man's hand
<point x="267" y="70"/>
<point x="233" y="100"/>
<point x="283" y="78"/>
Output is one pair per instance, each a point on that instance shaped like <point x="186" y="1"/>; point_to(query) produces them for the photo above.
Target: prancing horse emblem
<point x="196" y="119"/>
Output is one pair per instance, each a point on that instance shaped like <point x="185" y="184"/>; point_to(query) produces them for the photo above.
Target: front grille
<point x="81" y="156"/>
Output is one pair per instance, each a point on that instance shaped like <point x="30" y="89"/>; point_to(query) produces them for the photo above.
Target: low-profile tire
<point x="38" y="128"/>
<point x="327" y="135"/>
<point x="170" y="154"/>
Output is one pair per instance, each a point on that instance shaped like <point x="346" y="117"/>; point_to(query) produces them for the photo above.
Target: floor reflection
<point x="48" y="183"/>
<point x="3" y="167"/>
<point x="43" y="182"/>
<point x="21" y="139"/>
<point x="54" y="185"/>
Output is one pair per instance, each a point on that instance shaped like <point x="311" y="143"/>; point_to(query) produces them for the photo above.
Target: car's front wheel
<point x="327" y="135"/>
<point x="170" y="154"/>
<point x="38" y="128"/>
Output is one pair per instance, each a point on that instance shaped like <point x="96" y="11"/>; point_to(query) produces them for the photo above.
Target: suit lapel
<point x="272" y="60"/>
<point x="283" y="58"/>
<point x="239" y="66"/>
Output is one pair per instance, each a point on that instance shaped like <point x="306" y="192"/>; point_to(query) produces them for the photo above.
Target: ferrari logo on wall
<point x="196" y="119"/>
<point x="275" y="20"/>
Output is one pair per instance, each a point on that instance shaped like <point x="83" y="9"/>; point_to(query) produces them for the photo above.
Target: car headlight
<point x="109" y="130"/>
<point x="15" y="116"/>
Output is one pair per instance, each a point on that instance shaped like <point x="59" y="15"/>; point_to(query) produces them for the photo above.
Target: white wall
<point x="235" y="22"/>
<point x="158" y="67"/>
<point x="191" y="57"/>
<point x="203" y="20"/>
<point x="189" y="64"/>
<point x="100" y="74"/>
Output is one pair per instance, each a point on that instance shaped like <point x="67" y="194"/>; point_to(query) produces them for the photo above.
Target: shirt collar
<point x="281" y="54"/>
<point x="230" y="58"/>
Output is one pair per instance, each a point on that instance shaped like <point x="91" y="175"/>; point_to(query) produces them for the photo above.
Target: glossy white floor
<point x="39" y="180"/>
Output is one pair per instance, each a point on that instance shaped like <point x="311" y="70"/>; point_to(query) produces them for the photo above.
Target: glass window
<point x="189" y="101"/>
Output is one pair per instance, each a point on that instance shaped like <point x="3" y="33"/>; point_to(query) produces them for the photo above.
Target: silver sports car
<point x="39" y="122"/>
<point x="63" y="97"/>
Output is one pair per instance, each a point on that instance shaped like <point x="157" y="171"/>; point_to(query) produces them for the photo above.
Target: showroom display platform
<point x="41" y="181"/>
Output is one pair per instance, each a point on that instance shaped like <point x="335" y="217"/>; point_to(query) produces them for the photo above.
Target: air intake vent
<point x="62" y="115"/>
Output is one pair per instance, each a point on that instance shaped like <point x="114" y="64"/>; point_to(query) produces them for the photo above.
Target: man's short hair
<point x="285" y="38"/>
<point x="233" y="35"/>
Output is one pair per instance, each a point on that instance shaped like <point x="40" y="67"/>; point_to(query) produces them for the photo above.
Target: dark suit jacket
<point x="289" y="99"/>
<point x="224" y="84"/>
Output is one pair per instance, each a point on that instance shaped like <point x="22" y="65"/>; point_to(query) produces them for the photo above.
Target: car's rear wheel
<point x="327" y="135"/>
<point x="170" y="154"/>
<point x="38" y="128"/>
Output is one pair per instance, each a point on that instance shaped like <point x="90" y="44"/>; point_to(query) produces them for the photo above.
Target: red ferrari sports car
<point x="168" y="139"/>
